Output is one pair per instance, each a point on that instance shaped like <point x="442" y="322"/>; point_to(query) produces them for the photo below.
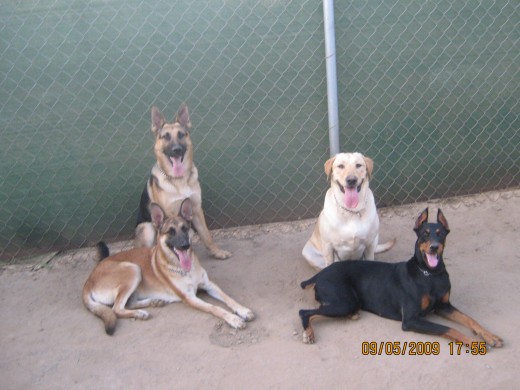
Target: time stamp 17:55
<point x="373" y="348"/>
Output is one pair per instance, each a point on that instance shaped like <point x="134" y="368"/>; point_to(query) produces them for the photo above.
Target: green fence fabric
<point x="429" y="90"/>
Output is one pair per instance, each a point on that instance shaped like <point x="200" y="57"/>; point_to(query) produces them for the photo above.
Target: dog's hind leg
<point x="125" y="291"/>
<point x="147" y="302"/>
<point x="102" y="311"/>
<point x="308" y="332"/>
<point x="336" y="301"/>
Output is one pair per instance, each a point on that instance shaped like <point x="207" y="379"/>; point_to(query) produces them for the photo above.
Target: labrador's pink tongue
<point x="185" y="260"/>
<point x="177" y="166"/>
<point x="432" y="260"/>
<point x="351" y="198"/>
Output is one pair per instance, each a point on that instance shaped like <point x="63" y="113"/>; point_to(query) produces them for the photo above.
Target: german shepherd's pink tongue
<point x="351" y="198"/>
<point x="177" y="166"/>
<point x="432" y="260"/>
<point x="185" y="259"/>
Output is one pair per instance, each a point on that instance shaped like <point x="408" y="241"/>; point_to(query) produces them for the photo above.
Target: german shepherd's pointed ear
<point x="186" y="210"/>
<point x="157" y="214"/>
<point x="183" y="116"/>
<point x="328" y="167"/>
<point x="423" y="218"/>
<point x="157" y="120"/>
<point x="442" y="220"/>
<point x="370" y="166"/>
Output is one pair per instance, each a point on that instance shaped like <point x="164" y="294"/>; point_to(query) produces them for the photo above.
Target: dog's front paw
<point x="245" y="314"/>
<point x="141" y="315"/>
<point x="220" y="254"/>
<point x="308" y="336"/>
<point x="235" y="321"/>
<point x="493" y="340"/>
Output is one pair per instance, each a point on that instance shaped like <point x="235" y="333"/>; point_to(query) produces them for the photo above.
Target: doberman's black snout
<point x="434" y="247"/>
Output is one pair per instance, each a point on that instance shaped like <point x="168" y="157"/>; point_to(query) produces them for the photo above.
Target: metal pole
<point x="332" y="86"/>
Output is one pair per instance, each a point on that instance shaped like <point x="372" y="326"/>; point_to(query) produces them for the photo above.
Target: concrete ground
<point x="50" y="341"/>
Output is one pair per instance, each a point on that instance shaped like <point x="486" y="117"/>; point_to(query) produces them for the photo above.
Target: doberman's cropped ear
<point x="157" y="214"/>
<point x="183" y="116"/>
<point x="157" y="120"/>
<point x="186" y="210"/>
<point x="328" y="167"/>
<point x="442" y="220"/>
<point x="423" y="218"/>
<point x="370" y="166"/>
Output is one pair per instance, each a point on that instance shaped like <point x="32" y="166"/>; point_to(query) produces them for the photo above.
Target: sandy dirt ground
<point x="50" y="341"/>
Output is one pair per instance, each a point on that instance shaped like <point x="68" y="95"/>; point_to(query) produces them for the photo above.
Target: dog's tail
<point x="104" y="312"/>
<point x="380" y="248"/>
<point x="309" y="282"/>
<point x="103" y="251"/>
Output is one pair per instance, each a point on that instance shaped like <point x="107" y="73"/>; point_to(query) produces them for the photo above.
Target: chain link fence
<point x="429" y="90"/>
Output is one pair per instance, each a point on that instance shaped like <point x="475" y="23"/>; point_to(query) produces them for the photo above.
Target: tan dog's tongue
<point x="185" y="260"/>
<point x="351" y="198"/>
<point x="177" y="166"/>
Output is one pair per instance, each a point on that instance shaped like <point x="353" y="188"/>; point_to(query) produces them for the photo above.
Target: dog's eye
<point x="180" y="135"/>
<point x="341" y="166"/>
<point x="359" y="165"/>
<point x="167" y="136"/>
<point x="185" y="228"/>
<point x="172" y="231"/>
<point x="426" y="233"/>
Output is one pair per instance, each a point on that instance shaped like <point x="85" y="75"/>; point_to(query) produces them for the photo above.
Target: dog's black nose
<point x="351" y="181"/>
<point x="177" y="150"/>
<point x="434" y="246"/>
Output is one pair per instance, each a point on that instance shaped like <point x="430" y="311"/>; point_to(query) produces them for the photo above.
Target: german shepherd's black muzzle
<point x="175" y="151"/>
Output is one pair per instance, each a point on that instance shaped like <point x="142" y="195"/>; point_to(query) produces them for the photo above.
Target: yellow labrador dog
<point x="348" y="226"/>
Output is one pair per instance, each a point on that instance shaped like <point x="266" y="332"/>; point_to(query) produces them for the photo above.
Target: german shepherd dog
<point x="124" y="283"/>
<point x="174" y="177"/>
<point x="405" y="291"/>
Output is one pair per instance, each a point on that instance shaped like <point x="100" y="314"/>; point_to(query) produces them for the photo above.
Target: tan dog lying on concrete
<point x="124" y="283"/>
<point x="348" y="226"/>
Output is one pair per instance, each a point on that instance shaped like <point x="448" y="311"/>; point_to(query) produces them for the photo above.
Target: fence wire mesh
<point x="429" y="90"/>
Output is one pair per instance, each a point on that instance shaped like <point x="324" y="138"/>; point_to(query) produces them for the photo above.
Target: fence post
<point x="332" y="86"/>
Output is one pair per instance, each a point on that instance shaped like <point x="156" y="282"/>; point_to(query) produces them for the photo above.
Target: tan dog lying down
<point x="123" y="284"/>
<point x="348" y="226"/>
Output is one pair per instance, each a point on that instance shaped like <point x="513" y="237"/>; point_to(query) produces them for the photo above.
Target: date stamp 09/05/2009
<point x="412" y="348"/>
